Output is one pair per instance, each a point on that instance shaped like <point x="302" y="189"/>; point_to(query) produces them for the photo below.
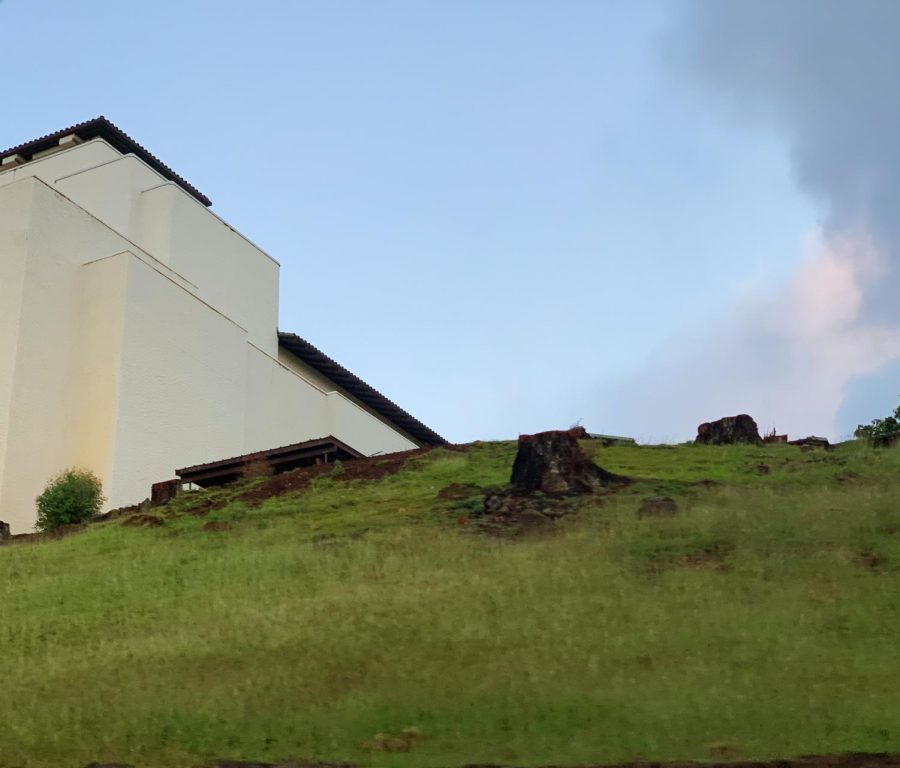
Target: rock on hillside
<point x="729" y="431"/>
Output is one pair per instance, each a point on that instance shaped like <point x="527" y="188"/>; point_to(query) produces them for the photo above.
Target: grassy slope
<point x="613" y="639"/>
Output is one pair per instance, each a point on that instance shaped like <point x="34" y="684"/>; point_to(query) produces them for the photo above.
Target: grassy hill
<point x="760" y="621"/>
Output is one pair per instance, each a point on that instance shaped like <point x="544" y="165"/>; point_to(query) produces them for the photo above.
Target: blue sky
<point x="501" y="214"/>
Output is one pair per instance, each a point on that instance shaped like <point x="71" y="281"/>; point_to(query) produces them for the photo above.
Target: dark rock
<point x="5" y="531"/>
<point x="553" y="463"/>
<point x="731" y="430"/>
<point x="658" y="506"/>
<point x="811" y="442"/>
<point x="506" y="511"/>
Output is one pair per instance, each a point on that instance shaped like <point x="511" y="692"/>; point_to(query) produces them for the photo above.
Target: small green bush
<point x="71" y="497"/>
<point x="881" y="431"/>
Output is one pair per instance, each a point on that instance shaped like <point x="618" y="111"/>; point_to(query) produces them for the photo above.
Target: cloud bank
<point x="824" y="75"/>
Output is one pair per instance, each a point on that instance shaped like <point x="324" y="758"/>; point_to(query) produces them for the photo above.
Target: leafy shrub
<point x="881" y="431"/>
<point x="71" y="497"/>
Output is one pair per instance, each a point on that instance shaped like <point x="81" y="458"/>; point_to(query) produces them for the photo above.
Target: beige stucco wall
<point x="182" y="389"/>
<point x="231" y="274"/>
<point x="138" y="333"/>
<point x="280" y="404"/>
<point x="44" y="383"/>
<point x="14" y="210"/>
<point x="356" y="426"/>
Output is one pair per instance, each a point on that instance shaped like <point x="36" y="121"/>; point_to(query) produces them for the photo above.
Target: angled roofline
<point x="117" y="138"/>
<point x="390" y="411"/>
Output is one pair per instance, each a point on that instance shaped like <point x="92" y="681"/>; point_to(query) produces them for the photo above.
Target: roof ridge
<point x="104" y="128"/>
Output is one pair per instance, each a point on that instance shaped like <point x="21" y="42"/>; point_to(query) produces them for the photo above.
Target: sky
<point x="511" y="215"/>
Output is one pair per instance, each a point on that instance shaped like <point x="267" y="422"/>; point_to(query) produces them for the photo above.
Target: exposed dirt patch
<point x="871" y="560"/>
<point x="327" y="541"/>
<point x="292" y="764"/>
<point x="658" y="506"/>
<point x="115" y="514"/>
<point x="458" y="491"/>
<point x="109" y="765"/>
<point x="403" y="742"/>
<point x="204" y="506"/>
<point x="218" y="525"/>
<point x="847" y="760"/>
<point x="370" y="468"/>
<point x="723" y="750"/>
<point x="694" y="555"/>
<point x="707" y="561"/>
<point x="143" y="521"/>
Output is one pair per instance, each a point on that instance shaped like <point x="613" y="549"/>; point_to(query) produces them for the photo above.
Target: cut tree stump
<point x="731" y="430"/>
<point x="553" y="463"/>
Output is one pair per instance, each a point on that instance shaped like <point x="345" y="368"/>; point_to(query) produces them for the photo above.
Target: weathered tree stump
<point x="553" y="463"/>
<point x="731" y="430"/>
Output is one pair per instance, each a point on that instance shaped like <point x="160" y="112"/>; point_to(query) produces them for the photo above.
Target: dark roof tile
<point x="116" y="137"/>
<point x="355" y="386"/>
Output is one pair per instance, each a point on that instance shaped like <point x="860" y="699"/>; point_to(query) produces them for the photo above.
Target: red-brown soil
<point x="847" y="760"/>
<point x="143" y="521"/>
<point x="369" y="468"/>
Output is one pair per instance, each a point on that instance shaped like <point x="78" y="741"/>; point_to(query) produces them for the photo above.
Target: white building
<point x="139" y="331"/>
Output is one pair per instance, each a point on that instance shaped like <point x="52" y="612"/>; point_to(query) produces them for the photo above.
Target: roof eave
<point x="356" y="387"/>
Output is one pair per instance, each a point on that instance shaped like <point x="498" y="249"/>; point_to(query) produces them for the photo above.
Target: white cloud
<point x="784" y="357"/>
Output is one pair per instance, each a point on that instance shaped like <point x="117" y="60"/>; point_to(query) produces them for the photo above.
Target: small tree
<point x="881" y="431"/>
<point x="71" y="497"/>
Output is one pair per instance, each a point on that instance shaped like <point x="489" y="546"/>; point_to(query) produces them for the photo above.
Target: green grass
<point x="762" y="617"/>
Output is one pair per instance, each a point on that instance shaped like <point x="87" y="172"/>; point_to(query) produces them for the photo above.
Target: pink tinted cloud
<point x="785" y="356"/>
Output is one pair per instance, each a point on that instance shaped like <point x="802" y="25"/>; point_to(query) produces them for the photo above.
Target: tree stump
<point x="553" y="463"/>
<point x="731" y="430"/>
